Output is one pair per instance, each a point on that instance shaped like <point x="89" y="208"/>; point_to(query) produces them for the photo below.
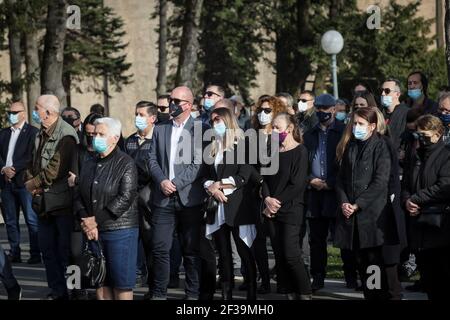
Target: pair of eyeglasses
<point x="303" y="100"/>
<point x="209" y="94"/>
<point x="162" y="108"/>
<point x="386" y="90"/>
<point x="265" y="110"/>
<point x="15" y="112"/>
<point x="177" y="101"/>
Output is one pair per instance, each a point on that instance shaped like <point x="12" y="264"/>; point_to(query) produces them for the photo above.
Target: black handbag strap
<point x="97" y="243"/>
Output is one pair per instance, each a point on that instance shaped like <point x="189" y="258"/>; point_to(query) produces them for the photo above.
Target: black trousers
<point x="349" y="265"/>
<point x="435" y="272"/>
<point x="259" y="247"/>
<point x="291" y="272"/>
<point x="222" y="241"/>
<point x="207" y="267"/>
<point x="318" y="238"/>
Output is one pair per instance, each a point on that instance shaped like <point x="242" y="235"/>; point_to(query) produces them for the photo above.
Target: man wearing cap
<point x="306" y="116"/>
<point x="321" y="142"/>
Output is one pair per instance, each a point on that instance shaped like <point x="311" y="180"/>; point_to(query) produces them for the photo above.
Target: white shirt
<point x="12" y="144"/>
<point x="246" y="232"/>
<point x="174" y="139"/>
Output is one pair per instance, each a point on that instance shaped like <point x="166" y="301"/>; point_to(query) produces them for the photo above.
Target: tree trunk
<point x="32" y="69"/>
<point x="106" y="94"/>
<point x="439" y="25"/>
<point x="447" y="37"/>
<point x="187" y="61"/>
<point x="161" y="79"/>
<point x="52" y="67"/>
<point x="15" y="53"/>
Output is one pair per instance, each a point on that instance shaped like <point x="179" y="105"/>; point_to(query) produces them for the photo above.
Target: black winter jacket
<point x="107" y="189"/>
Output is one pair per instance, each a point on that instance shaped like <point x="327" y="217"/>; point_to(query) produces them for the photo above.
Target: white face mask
<point x="302" y="106"/>
<point x="195" y="114"/>
<point x="264" y="118"/>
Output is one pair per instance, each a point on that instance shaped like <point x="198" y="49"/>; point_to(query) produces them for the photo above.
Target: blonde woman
<point x="226" y="179"/>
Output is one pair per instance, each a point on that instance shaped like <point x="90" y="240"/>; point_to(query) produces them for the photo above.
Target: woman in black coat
<point x="226" y="178"/>
<point x="426" y="194"/>
<point x="283" y="195"/>
<point x="361" y="188"/>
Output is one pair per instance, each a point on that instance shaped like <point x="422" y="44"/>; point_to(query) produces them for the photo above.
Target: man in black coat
<point x="394" y="111"/>
<point x="321" y="142"/>
<point x="16" y="147"/>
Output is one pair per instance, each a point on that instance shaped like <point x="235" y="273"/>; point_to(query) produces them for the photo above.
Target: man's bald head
<point x="183" y="93"/>
<point x="49" y="102"/>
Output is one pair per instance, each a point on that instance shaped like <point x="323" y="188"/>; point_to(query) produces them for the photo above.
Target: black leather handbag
<point x="433" y="215"/>
<point x="209" y="208"/>
<point x="92" y="265"/>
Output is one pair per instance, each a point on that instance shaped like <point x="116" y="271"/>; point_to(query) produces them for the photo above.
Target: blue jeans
<point x="6" y="275"/>
<point x="11" y="198"/>
<point x="54" y="239"/>
<point x="187" y="222"/>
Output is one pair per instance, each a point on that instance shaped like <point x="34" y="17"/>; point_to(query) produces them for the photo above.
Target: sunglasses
<point x="15" y="112"/>
<point x="177" y="101"/>
<point x="265" y="110"/>
<point x="215" y="120"/>
<point x="209" y="94"/>
<point x="386" y="90"/>
<point x="303" y="100"/>
<point x="162" y="108"/>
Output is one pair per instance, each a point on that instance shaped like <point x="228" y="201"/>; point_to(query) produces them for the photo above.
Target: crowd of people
<point x="371" y="175"/>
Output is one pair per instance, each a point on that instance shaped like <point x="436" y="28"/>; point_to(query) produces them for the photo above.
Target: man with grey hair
<point x="394" y="111"/>
<point x="287" y="100"/>
<point x="54" y="157"/>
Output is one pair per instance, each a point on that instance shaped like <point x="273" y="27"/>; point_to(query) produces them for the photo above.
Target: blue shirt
<point x="205" y="118"/>
<point x="319" y="163"/>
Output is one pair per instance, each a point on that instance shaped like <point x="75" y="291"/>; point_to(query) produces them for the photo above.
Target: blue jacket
<point x="22" y="153"/>
<point x="324" y="203"/>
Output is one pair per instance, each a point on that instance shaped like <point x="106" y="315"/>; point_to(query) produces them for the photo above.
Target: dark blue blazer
<point x="324" y="203"/>
<point x="23" y="152"/>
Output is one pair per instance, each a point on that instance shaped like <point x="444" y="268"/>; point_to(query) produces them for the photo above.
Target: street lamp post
<point x="332" y="43"/>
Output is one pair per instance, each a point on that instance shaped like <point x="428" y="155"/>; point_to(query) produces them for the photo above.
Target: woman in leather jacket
<point x="106" y="203"/>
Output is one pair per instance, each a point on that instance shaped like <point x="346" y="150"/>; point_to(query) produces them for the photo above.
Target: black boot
<point x="251" y="291"/>
<point x="227" y="293"/>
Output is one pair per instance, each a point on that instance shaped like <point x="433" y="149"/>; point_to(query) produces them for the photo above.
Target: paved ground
<point x="32" y="280"/>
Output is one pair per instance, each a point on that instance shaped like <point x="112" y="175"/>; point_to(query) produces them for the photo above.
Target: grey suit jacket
<point x="187" y="168"/>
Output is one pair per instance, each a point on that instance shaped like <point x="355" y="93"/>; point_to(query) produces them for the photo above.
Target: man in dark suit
<point x="321" y="142"/>
<point x="16" y="147"/>
<point x="177" y="193"/>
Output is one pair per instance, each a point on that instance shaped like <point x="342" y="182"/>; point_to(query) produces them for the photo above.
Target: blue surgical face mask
<point x="220" y="129"/>
<point x="415" y="93"/>
<point x="208" y="104"/>
<point x="360" y="132"/>
<point x="100" y="145"/>
<point x="341" y="116"/>
<point x="35" y="116"/>
<point x="386" y="101"/>
<point x="13" y="118"/>
<point x="141" y="123"/>
<point x="445" y="118"/>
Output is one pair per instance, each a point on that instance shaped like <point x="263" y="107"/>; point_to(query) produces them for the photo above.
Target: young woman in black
<point x="283" y="195"/>
<point x="362" y="190"/>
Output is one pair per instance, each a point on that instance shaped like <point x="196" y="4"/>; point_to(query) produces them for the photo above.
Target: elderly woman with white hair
<point x="106" y="202"/>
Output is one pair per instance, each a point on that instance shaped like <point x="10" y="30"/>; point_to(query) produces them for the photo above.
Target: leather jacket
<point x="107" y="189"/>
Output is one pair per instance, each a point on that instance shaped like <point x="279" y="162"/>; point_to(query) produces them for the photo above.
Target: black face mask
<point x="425" y="141"/>
<point x="70" y="121"/>
<point x="323" y="116"/>
<point x="175" y="110"/>
<point x="163" y="117"/>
